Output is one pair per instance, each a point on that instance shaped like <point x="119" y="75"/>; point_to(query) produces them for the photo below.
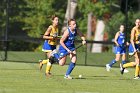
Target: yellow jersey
<point x="54" y="32"/>
<point x="137" y="35"/>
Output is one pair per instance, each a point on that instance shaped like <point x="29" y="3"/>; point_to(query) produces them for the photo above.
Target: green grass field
<point x="19" y="77"/>
<point x="94" y="59"/>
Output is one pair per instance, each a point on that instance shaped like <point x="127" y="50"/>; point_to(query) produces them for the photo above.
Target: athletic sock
<point x="123" y="62"/>
<point x="128" y="64"/>
<point x="137" y="70"/>
<point x="70" y="68"/>
<point x="112" y="62"/>
<point x="45" y="61"/>
<point x="48" y="67"/>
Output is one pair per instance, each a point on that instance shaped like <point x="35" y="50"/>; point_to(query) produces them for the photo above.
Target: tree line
<point x="30" y="18"/>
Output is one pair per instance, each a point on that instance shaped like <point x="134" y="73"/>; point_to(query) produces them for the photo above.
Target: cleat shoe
<point x="40" y="64"/>
<point x="108" y="67"/>
<point x="137" y="77"/>
<point x="48" y="74"/>
<point x="67" y="77"/>
<point x="52" y="60"/>
<point x="122" y="71"/>
<point x="54" y="56"/>
<point x="126" y="71"/>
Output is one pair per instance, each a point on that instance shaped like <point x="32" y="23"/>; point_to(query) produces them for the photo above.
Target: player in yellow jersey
<point x="50" y="43"/>
<point x="134" y="48"/>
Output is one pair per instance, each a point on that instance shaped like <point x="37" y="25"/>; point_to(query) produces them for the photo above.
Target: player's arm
<point x="132" y="39"/>
<point x="82" y="37"/>
<point x="115" y="39"/>
<point x="64" y="37"/>
<point x="47" y="34"/>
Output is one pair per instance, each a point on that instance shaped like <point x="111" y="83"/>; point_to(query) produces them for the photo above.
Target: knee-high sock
<point x="112" y="62"/>
<point x="48" y="67"/>
<point x="123" y="61"/>
<point x="131" y="64"/>
<point x="137" y="70"/>
<point x="45" y="61"/>
<point x="70" y="68"/>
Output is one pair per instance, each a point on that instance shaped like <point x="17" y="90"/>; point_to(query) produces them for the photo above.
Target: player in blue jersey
<point x="120" y="49"/>
<point x="67" y="46"/>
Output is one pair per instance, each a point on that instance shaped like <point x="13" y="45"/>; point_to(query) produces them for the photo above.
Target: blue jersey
<point x="69" y="42"/>
<point x="121" y="39"/>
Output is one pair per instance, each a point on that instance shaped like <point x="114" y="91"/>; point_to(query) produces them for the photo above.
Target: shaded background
<point x="22" y="23"/>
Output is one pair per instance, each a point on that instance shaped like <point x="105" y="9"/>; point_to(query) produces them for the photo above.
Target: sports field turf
<point x="19" y="77"/>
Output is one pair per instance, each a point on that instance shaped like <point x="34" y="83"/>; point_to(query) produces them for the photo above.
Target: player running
<point x="67" y="46"/>
<point x="120" y="49"/>
<point x="134" y="48"/>
<point x="50" y="43"/>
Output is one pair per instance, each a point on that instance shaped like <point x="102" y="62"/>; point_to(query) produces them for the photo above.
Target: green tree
<point x="32" y="17"/>
<point x="38" y="14"/>
<point x="86" y="6"/>
<point x="2" y="17"/>
<point x="29" y="18"/>
<point x="119" y="17"/>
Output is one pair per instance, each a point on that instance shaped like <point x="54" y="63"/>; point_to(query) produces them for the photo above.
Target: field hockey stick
<point x="72" y="50"/>
<point x="59" y="36"/>
<point x="52" y="36"/>
<point x="79" y="46"/>
<point x="53" y="59"/>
